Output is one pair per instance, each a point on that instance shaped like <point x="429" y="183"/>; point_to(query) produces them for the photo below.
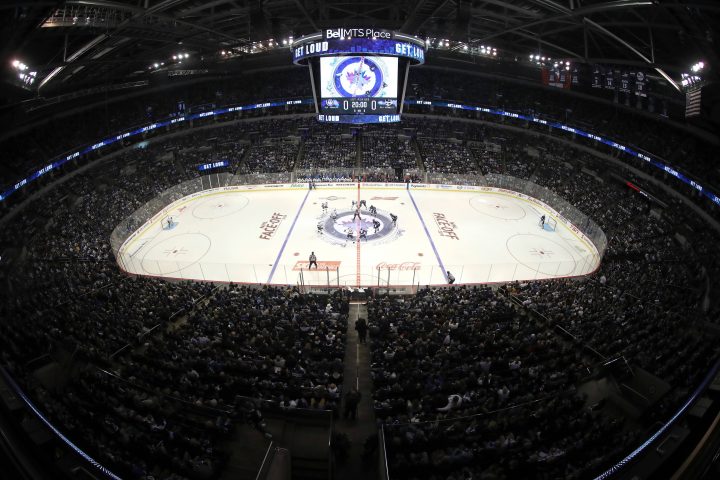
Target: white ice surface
<point x="260" y="236"/>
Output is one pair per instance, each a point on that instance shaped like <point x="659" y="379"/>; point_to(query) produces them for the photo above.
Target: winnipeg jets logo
<point x="358" y="78"/>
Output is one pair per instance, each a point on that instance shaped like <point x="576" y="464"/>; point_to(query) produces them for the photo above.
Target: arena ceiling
<point x="77" y="43"/>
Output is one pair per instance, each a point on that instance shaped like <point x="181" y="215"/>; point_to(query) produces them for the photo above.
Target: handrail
<point x="217" y="411"/>
<point x="563" y="330"/>
<point x="263" y="464"/>
<point x="481" y="414"/>
<point x="154" y="327"/>
<point x="38" y="414"/>
<point x="383" y="464"/>
<point x="699" y="390"/>
<point x="635" y="392"/>
<point x="84" y="294"/>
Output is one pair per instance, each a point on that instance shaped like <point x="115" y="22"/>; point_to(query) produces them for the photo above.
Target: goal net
<point x="550" y="224"/>
<point x="167" y="223"/>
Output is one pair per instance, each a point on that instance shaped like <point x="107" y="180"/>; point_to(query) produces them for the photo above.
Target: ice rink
<point x="266" y="233"/>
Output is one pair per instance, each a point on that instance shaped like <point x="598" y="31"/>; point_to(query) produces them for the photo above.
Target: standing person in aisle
<point x="362" y="327"/>
<point x="352" y="399"/>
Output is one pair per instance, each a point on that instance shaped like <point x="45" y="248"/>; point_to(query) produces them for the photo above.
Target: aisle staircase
<point x="300" y="155"/>
<point x="418" y="154"/>
<point x="243" y="159"/>
<point x="357" y="374"/>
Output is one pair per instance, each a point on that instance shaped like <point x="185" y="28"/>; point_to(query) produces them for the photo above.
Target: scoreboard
<point x="358" y="75"/>
<point x="358" y="85"/>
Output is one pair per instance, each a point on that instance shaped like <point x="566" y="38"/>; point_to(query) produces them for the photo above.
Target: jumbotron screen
<point x="358" y="85"/>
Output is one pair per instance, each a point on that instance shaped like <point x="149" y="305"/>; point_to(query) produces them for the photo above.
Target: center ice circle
<point x="346" y="220"/>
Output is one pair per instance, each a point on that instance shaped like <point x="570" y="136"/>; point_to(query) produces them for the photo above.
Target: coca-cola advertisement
<point x="405" y="266"/>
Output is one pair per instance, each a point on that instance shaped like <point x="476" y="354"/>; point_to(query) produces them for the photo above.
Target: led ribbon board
<point x="646" y="157"/>
<point x="358" y="41"/>
<point x="211" y="166"/>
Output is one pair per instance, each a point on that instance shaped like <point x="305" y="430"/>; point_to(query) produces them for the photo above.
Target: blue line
<point x="287" y="237"/>
<point x="432" y="244"/>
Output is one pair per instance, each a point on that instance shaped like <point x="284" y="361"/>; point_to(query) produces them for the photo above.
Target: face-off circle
<point x="497" y="207"/>
<point x="175" y="253"/>
<point x="336" y="230"/>
<point x="222" y="206"/>
<point x="541" y="254"/>
<point x="358" y="77"/>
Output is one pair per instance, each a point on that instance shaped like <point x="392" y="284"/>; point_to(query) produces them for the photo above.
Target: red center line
<point x="357" y="233"/>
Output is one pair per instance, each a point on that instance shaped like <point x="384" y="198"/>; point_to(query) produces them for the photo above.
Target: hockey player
<point x="363" y="204"/>
<point x="320" y="228"/>
<point x="373" y="210"/>
<point x="542" y="222"/>
<point x="363" y="234"/>
<point x="376" y="225"/>
<point x="313" y="261"/>
<point x="394" y="218"/>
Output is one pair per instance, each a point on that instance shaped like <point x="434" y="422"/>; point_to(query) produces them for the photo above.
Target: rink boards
<point x="265" y="234"/>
